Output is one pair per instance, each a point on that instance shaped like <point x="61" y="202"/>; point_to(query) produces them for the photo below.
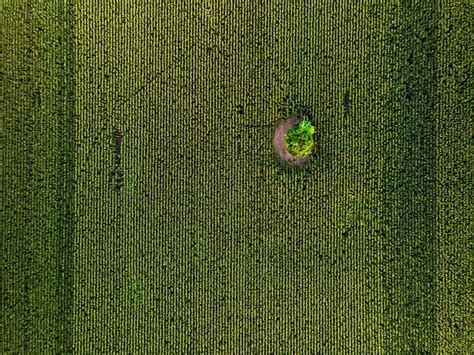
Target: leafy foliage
<point x="300" y="139"/>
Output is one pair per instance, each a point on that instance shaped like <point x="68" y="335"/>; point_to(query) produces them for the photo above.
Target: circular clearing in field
<point x="280" y="140"/>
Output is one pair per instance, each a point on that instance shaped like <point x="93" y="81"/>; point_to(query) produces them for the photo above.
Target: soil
<point x="280" y="145"/>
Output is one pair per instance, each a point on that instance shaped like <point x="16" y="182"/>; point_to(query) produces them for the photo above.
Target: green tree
<point x="299" y="139"/>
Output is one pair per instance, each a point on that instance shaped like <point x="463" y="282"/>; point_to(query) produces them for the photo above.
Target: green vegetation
<point x="36" y="177"/>
<point x="112" y="244"/>
<point x="300" y="139"/>
<point x="135" y="292"/>
<point x="130" y="183"/>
